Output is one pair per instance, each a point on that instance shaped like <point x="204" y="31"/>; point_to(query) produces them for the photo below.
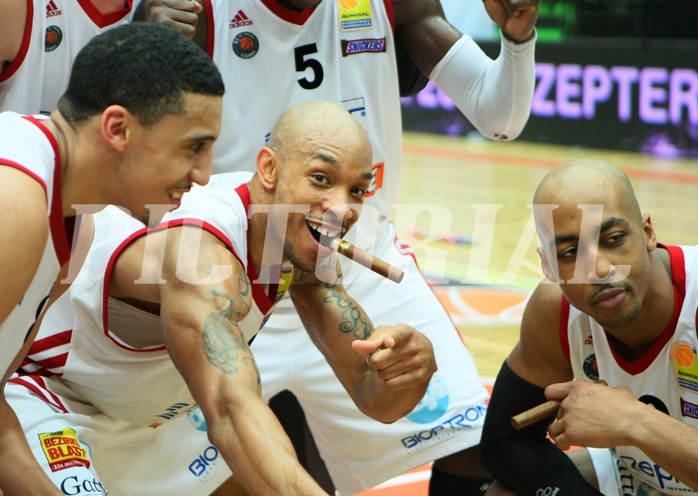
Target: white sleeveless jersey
<point x="55" y="32"/>
<point x="26" y="145"/>
<point x="319" y="54"/>
<point x="665" y="377"/>
<point x="77" y="343"/>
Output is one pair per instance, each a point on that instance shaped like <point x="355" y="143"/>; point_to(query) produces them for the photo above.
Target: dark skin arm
<point x="421" y="27"/>
<point x="385" y="370"/>
<point x="425" y="34"/>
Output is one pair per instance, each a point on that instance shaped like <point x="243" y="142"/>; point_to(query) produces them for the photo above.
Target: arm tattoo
<point x="353" y="319"/>
<point x="222" y="338"/>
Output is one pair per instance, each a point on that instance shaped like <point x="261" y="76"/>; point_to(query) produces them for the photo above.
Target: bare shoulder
<point x="13" y="18"/>
<point x="416" y="11"/>
<point x="422" y="31"/>
<point x="23" y="236"/>
<point x="538" y="356"/>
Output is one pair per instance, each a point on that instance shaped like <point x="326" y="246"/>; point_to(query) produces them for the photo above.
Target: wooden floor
<point x="484" y="188"/>
<point x="463" y="205"/>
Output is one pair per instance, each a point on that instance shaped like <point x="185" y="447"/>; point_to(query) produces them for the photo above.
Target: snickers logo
<point x="368" y="45"/>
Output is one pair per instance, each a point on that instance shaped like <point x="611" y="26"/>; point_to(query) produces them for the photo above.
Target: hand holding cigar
<point x="364" y="258"/>
<point x="540" y="412"/>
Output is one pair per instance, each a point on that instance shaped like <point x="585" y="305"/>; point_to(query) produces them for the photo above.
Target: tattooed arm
<point x="385" y="370"/>
<point x="200" y="315"/>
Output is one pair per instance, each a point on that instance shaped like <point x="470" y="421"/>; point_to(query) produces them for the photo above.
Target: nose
<point x="600" y="267"/>
<point x="201" y="172"/>
<point x="338" y="204"/>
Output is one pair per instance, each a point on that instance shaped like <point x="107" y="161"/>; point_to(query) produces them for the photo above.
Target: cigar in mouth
<point x="364" y="258"/>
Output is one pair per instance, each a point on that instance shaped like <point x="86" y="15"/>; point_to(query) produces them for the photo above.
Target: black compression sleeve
<point x="525" y="460"/>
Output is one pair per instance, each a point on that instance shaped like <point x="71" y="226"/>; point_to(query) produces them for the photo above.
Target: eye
<point x="567" y="254"/>
<point x="359" y="192"/>
<point x="614" y="239"/>
<point x="320" y="178"/>
<point x="196" y="148"/>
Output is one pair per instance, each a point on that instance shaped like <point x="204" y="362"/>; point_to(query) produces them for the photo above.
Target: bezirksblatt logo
<point x="63" y="450"/>
<point x="354" y="14"/>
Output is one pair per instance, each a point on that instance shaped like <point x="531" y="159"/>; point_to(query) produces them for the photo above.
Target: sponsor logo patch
<point x="354" y="14"/>
<point x="367" y="45"/>
<point x="240" y="20"/>
<point x="52" y="38"/>
<point x="52" y="10"/>
<point x="63" y="450"/>
<point x="685" y="365"/>
<point x="245" y="45"/>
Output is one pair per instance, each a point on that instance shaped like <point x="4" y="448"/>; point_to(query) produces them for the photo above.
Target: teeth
<point x="323" y="231"/>
<point x="177" y="195"/>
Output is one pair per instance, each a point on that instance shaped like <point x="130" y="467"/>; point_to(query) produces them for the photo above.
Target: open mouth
<point x="322" y="235"/>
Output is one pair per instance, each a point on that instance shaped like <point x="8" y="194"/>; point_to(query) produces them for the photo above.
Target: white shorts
<point x="82" y="449"/>
<point x="62" y="441"/>
<point x="359" y="452"/>
<point x="606" y="468"/>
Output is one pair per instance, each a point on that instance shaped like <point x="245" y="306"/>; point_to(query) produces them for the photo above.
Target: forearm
<point x="495" y="95"/>
<point x="26" y="478"/>
<point x="670" y="443"/>
<point x="501" y="446"/>
<point x="256" y="448"/>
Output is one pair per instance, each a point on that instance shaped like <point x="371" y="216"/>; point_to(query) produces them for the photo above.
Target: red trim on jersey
<point x="103" y="20"/>
<point x="564" y="324"/>
<point x="389" y="11"/>
<point x="678" y="279"/>
<point x="265" y="299"/>
<point x="37" y="385"/>
<point x="288" y="15"/>
<point x="34" y="364"/>
<point x="23" y="48"/>
<point x="210" y="28"/>
<point x="105" y="293"/>
<point x="57" y="221"/>
<point x="21" y="168"/>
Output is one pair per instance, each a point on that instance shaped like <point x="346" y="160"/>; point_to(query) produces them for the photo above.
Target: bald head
<point x="587" y="182"/>
<point x="301" y="127"/>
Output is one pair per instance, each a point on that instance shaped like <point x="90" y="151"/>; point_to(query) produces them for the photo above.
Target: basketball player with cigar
<point x="363" y="55"/>
<point x="617" y="306"/>
<point x="157" y="324"/>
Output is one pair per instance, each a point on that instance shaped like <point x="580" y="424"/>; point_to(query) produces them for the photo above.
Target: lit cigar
<point x="540" y="412"/>
<point x="366" y="259"/>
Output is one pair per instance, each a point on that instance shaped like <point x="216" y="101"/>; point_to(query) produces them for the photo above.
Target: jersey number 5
<point x="303" y="62"/>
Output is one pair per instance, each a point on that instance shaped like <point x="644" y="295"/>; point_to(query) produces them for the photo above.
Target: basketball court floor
<point x="463" y="206"/>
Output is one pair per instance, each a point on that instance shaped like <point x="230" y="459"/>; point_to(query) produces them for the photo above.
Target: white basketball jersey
<point x="318" y="54"/>
<point x="665" y="377"/>
<point x="77" y="342"/>
<point x="55" y="32"/>
<point x="26" y="145"/>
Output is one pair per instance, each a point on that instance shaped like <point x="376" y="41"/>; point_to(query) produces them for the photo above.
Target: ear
<point x="267" y="168"/>
<point x="545" y="266"/>
<point x="650" y="234"/>
<point x="115" y="126"/>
